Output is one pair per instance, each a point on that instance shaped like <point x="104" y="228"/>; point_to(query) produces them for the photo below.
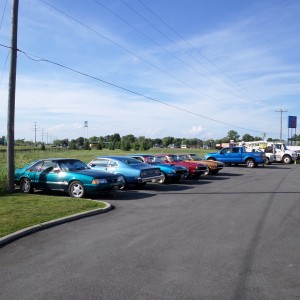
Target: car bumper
<point x="150" y="179"/>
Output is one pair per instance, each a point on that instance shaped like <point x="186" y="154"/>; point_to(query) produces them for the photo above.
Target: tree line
<point x="131" y="142"/>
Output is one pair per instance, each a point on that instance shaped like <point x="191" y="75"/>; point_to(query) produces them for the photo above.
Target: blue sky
<point x="193" y="68"/>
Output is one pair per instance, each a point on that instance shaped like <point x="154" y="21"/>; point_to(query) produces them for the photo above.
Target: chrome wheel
<point x="76" y="189"/>
<point x="163" y="178"/>
<point x="26" y="186"/>
<point x="250" y="163"/>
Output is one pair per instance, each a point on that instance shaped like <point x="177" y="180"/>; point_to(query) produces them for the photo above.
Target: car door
<point x="225" y="155"/>
<point x="48" y="178"/>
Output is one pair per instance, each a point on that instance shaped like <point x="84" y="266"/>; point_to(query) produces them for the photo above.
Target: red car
<point x="195" y="169"/>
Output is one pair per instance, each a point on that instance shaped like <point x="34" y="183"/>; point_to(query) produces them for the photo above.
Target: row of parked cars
<point x="110" y="173"/>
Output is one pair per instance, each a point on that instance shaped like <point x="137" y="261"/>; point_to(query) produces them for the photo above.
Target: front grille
<point x="201" y="168"/>
<point x="181" y="171"/>
<point x="150" y="173"/>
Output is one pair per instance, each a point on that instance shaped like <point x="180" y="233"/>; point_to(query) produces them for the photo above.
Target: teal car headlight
<point x="99" y="181"/>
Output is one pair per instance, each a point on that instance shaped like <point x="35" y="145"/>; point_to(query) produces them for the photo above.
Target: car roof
<point x="114" y="156"/>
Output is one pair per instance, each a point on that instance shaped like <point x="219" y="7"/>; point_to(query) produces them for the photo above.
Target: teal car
<point x="68" y="175"/>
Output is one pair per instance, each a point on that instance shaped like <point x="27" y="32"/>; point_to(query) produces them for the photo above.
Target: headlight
<point x="99" y="181"/>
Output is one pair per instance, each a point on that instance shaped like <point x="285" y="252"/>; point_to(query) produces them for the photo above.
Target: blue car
<point x="65" y="174"/>
<point x="134" y="171"/>
<point x="171" y="173"/>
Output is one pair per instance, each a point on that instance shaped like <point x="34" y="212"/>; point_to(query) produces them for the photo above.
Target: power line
<point x="195" y="49"/>
<point x="131" y="91"/>
<point x="132" y="53"/>
<point x="169" y="52"/>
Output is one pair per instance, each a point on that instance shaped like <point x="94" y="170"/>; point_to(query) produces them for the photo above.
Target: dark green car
<point x="68" y="175"/>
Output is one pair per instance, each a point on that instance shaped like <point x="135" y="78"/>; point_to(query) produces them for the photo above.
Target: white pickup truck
<point x="276" y="151"/>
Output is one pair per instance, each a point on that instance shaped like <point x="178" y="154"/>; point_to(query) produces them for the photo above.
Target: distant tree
<point x="80" y="141"/>
<point x="86" y="145"/>
<point x="99" y="146"/>
<point x="247" y="138"/>
<point x="72" y="145"/>
<point x="125" y="145"/>
<point x="43" y="148"/>
<point x="232" y="135"/>
<point x="167" y="141"/>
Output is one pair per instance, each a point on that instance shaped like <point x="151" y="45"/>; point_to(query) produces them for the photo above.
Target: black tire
<point x="211" y="158"/>
<point x="287" y="159"/>
<point x="196" y="176"/>
<point x="164" y="178"/>
<point x="267" y="161"/>
<point x="25" y="186"/>
<point x="214" y="172"/>
<point x="250" y="163"/>
<point x="207" y="172"/>
<point x="125" y="185"/>
<point x="76" y="189"/>
<point x="140" y="185"/>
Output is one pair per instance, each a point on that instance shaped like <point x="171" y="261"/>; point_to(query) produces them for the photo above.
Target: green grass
<point x="18" y="211"/>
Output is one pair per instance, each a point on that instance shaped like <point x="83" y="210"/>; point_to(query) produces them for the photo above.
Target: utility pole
<point x="11" y="99"/>
<point x="35" y="129"/>
<point x="281" y="111"/>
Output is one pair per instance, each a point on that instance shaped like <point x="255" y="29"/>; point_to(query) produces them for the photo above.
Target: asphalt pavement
<point x="231" y="236"/>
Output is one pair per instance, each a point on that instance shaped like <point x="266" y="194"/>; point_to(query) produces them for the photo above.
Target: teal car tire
<point x="26" y="186"/>
<point x="76" y="189"/>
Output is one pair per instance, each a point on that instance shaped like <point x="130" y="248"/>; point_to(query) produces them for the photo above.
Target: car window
<point x="100" y="162"/>
<point x="47" y="166"/>
<point x="34" y="167"/>
<point x="226" y="150"/>
<point x="112" y="164"/>
<point x="131" y="161"/>
<point x="72" y="165"/>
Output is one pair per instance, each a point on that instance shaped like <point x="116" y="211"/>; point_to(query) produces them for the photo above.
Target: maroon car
<point x="195" y="169"/>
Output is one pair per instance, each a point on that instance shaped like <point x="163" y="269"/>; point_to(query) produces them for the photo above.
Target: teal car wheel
<point x="26" y="186"/>
<point x="76" y="189"/>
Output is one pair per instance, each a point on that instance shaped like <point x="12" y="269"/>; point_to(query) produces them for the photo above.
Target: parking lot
<point x="231" y="236"/>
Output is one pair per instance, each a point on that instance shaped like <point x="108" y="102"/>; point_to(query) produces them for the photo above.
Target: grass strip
<point x="18" y="211"/>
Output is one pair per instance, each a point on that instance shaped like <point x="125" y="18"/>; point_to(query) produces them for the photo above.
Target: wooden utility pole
<point x="11" y="99"/>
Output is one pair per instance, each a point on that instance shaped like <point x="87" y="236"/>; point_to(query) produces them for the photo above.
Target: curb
<point x="42" y="226"/>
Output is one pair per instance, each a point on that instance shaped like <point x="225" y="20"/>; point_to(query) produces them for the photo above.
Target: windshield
<point x="195" y="156"/>
<point x="174" y="158"/>
<point x="131" y="161"/>
<point x="72" y="165"/>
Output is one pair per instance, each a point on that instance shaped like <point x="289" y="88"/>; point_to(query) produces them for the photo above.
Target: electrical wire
<point x="37" y="59"/>
<point x="134" y="54"/>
